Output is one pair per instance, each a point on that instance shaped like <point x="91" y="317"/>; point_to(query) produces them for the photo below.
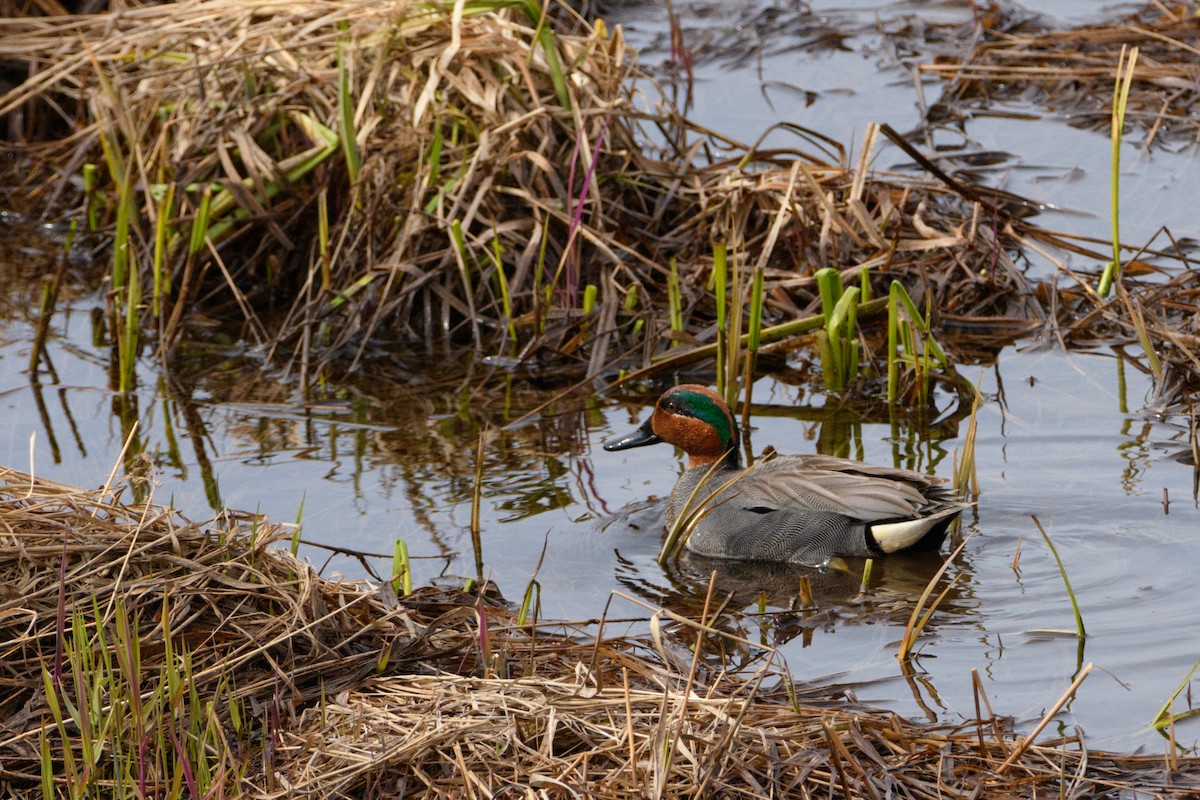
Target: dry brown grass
<point x="458" y="121"/>
<point x="1072" y="70"/>
<point x="349" y="692"/>
<point x="557" y="187"/>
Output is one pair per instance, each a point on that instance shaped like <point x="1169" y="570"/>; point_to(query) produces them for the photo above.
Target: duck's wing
<point x="852" y="488"/>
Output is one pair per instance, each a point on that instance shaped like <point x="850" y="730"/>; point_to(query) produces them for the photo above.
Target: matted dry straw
<point x="346" y="691"/>
<point x="1072" y="70"/>
<point x="497" y="173"/>
<point x="459" y="124"/>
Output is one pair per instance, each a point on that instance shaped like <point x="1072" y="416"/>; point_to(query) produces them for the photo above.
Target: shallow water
<point x="369" y="464"/>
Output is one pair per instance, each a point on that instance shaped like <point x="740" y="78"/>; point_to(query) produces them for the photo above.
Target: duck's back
<point x="853" y="488"/>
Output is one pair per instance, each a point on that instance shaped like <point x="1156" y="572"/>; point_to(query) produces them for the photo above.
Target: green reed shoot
<point x="838" y="346"/>
<point x="49" y="302"/>
<point x="905" y="346"/>
<point x="126" y="287"/>
<point x="323" y="240"/>
<point x="733" y="332"/>
<point x="346" y="111"/>
<point x="865" y="585"/>
<point x="829" y="282"/>
<point x="729" y="294"/>
<point x="531" y="603"/>
<point x="132" y="331"/>
<point x="200" y="231"/>
<point x="433" y="155"/>
<point x="495" y="254"/>
<point x="752" y="345"/>
<point x="463" y="259"/>
<point x="45" y="309"/>
<point x="162" y="275"/>
<point x="402" y="582"/>
<point x="545" y="37"/>
<point x="629" y="304"/>
<point x="123" y="731"/>
<point x="720" y="279"/>
<point x="1165" y="716"/>
<point x="295" y="543"/>
<point x="675" y="301"/>
<point x="893" y="342"/>
<point x="756" y="311"/>
<point x="121" y="248"/>
<point x="1124" y="79"/>
<point x="1079" y="629"/>
<point x="91" y="180"/>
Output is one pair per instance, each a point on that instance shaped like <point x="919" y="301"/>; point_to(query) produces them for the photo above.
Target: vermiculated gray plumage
<point x="809" y="509"/>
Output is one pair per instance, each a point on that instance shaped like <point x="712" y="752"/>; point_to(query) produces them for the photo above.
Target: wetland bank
<point x="520" y="234"/>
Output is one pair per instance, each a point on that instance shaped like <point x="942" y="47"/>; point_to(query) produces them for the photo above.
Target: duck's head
<point x="693" y="418"/>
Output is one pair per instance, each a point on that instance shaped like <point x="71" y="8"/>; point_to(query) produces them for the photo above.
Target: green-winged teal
<point x="799" y="509"/>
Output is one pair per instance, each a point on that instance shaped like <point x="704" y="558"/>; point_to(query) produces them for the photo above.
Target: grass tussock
<point x="145" y="655"/>
<point x="340" y="180"/>
<point x="339" y="175"/>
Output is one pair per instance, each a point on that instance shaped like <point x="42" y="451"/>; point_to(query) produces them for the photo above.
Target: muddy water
<point x="396" y="459"/>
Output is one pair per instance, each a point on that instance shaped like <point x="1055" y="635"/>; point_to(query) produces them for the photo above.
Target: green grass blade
<point x="528" y="604"/>
<point x="893" y="339"/>
<point x="401" y="570"/>
<point x="756" y="310"/>
<point x="200" y="222"/>
<point x="1124" y="79"/>
<point x="1063" y="571"/>
<point x="829" y="282"/>
<point x="720" y="276"/>
<point x="162" y="275"/>
<point x="545" y="39"/>
<point x="675" y="301"/>
<point x="346" y="112"/>
<point x="1165" y="716"/>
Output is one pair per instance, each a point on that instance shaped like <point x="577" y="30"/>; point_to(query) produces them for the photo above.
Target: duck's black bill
<point x="640" y="438"/>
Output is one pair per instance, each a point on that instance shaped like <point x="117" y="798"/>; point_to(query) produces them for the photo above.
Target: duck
<point x="798" y="509"/>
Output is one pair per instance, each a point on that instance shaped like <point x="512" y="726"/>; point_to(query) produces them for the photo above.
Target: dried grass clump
<point x="329" y="689"/>
<point x="1072" y="71"/>
<point x="374" y="170"/>
<point x="1153" y="321"/>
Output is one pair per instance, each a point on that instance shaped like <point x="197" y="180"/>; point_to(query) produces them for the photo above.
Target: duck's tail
<point x="924" y="533"/>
